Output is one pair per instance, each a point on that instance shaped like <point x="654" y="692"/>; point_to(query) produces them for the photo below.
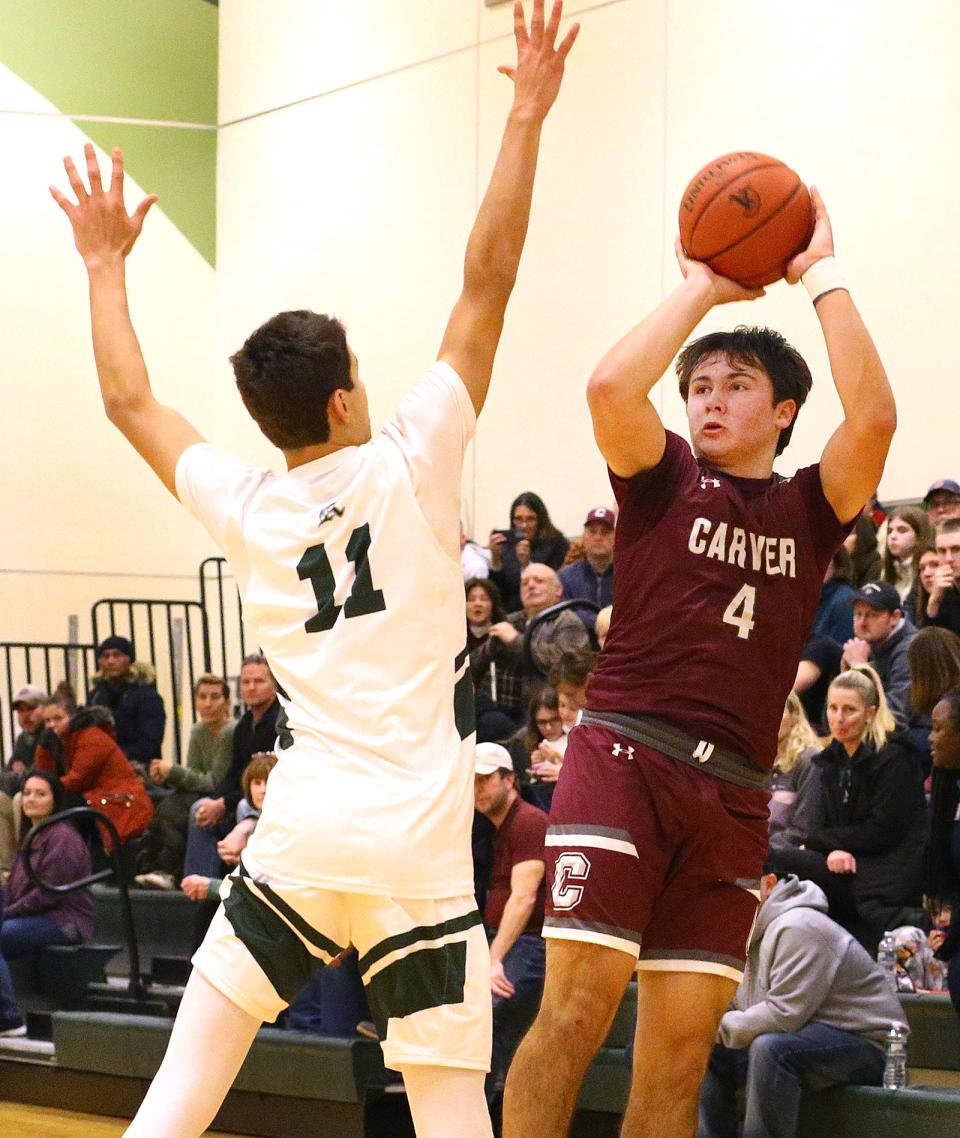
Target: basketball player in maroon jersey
<point x="659" y="822"/>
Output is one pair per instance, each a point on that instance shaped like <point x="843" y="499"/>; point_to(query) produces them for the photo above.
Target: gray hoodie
<point x="801" y="966"/>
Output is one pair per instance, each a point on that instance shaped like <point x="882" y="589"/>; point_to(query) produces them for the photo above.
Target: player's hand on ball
<point x="540" y="59"/>
<point x="821" y="243"/>
<point x="102" y="228"/>
<point x="841" y="862"/>
<point x="722" y="290"/>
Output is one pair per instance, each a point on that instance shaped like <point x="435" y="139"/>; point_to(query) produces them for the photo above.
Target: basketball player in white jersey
<point x="348" y="565"/>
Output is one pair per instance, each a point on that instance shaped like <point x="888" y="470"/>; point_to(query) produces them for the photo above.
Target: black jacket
<point x="248" y="740"/>
<point x="138" y="713"/>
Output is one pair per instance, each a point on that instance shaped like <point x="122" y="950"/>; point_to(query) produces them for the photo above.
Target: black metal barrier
<point x="136" y="987"/>
<point x="551" y="614"/>
<point x="220" y="601"/>
<point x="45" y="664"/>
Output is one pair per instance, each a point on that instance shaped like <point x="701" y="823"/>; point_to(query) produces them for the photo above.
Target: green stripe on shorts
<point x="281" y="954"/>
<point x="421" y="932"/>
<point x="308" y="932"/>
<point x="427" y="978"/>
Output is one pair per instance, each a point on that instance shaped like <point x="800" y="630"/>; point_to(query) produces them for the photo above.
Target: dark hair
<point x="545" y="527"/>
<point x="949" y="525"/>
<point x="756" y="347"/>
<point x="260" y="766"/>
<point x="916" y="519"/>
<point x="920" y="594"/>
<point x="56" y="789"/>
<point x="490" y="588"/>
<point x="546" y="699"/>
<point x="934" y="655"/>
<point x="209" y="679"/>
<point x="573" y="668"/>
<point x="286" y="372"/>
<point x="941" y="882"/>
<point x="865" y="556"/>
<point x="842" y="566"/>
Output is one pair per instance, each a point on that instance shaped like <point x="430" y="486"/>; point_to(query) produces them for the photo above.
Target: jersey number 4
<point x="739" y="611"/>
<point x="314" y="566"/>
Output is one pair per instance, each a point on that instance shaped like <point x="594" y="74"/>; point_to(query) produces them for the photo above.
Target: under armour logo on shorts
<point x="703" y="751"/>
<point x="619" y="749"/>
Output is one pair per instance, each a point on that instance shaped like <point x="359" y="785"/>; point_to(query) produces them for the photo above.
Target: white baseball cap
<point x="492" y="757"/>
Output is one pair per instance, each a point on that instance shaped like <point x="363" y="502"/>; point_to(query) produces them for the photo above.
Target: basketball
<point x="746" y="215"/>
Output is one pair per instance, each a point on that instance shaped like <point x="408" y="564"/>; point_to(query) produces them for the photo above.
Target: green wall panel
<point x="179" y="165"/>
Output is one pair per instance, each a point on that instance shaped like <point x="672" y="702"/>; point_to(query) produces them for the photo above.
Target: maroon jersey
<point x="716" y="584"/>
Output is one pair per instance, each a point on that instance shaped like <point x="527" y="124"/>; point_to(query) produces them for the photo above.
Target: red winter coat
<point x="101" y="772"/>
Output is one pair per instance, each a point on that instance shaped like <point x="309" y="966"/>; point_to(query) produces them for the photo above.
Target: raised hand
<point x="821" y="243"/>
<point x="539" y="69"/>
<point x="102" y="228"/>
<point x="723" y="290"/>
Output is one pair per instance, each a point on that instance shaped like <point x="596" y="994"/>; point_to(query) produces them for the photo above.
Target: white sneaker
<point x="156" y="880"/>
<point x="12" y="1030"/>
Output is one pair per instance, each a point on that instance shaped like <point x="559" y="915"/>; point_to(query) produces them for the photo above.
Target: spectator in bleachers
<point x="209" y="753"/>
<point x="942" y="861"/>
<point x="534" y="539"/>
<point x="82" y="751"/>
<point x="882" y="636"/>
<point x="865" y="846"/>
<point x="499" y="666"/>
<point x="793" y="780"/>
<point x="474" y="559"/>
<point x="861" y="544"/>
<point x="811" y="1012"/>
<point x="537" y="749"/>
<point x="942" y="501"/>
<point x="926" y="560"/>
<point x="484" y="609"/>
<point x="819" y="665"/>
<point x="128" y="688"/>
<point x="602" y="627"/>
<point x="943" y="603"/>
<point x="591" y="577"/>
<point x="214" y="816"/>
<point x="514" y="909"/>
<point x="907" y="527"/>
<point x="570" y="676"/>
<point x="834" y="615"/>
<point x="935" y="668"/>
<point x="34" y="917"/>
<point x="28" y="704"/>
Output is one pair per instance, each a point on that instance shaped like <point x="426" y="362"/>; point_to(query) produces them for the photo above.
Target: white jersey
<point x="349" y="572"/>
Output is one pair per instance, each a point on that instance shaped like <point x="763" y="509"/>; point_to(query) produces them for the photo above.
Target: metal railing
<point x="220" y="601"/>
<point x="44" y="664"/>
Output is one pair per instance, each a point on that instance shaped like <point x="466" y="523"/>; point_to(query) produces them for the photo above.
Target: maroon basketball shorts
<point x="652" y="856"/>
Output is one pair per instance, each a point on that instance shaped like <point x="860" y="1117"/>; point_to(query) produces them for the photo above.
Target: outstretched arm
<point x="853" y="459"/>
<point x="498" y="235"/>
<point x="104" y="234"/>
<point x="625" y="422"/>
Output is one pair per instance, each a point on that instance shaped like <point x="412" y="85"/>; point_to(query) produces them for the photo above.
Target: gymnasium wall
<point x="355" y="140"/>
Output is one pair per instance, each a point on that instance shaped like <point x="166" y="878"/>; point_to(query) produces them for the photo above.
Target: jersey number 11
<point x="314" y="566"/>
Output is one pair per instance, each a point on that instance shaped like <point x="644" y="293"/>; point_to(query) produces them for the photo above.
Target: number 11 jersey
<point x="349" y="572"/>
<point x="716" y="584"/>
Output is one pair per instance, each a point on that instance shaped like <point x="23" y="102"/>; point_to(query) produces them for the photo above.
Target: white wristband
<point x="822" y="277"/>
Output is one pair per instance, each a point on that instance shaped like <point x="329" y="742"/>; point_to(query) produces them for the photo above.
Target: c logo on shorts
<point x="570" y="867"/>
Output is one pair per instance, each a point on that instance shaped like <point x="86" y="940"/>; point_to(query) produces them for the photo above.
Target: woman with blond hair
<point x="865" y="849"/>
<point x="793" y="782"/>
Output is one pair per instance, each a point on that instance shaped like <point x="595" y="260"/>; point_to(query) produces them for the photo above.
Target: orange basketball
<point x="746" y="215"/>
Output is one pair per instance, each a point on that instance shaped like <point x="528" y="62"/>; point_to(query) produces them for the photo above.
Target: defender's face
<point x="731" y="412"/>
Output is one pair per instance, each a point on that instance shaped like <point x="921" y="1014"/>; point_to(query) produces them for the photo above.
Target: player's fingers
<point x="506" y="69"/>
<point x="519" y="24"/>
<point x="568" y="41"/>
<point x="116" y="172"/>
<point x="536" y="23"/>
<point x="93" y="169"/>
<point x="553" y="24"/>
<point x="143" y="209"/>
<point x="76" y="182"/>
<point x="64" y="203"/>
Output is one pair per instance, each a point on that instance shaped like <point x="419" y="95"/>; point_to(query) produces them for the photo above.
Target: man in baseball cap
<point x="881" y="637"/>
<point x="942" y="501"/>
<point x="513" y="912"/>
<point x="28" y="704"/>
<point x="591" y="578"/>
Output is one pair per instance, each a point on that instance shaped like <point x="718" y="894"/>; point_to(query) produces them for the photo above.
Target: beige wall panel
<point x="368" y="221"/>
<point x="592" y="266"/>
<point x="277" y="53"/>
<point x="862" y="98"/>
<point x="498" y="20"/>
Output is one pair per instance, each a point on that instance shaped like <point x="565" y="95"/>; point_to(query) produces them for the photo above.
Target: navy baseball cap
<point x="880" y="596"/>
<point x="946" y="485"/>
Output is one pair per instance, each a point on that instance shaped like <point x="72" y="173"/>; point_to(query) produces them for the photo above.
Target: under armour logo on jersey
<point x="705" y="482"/>
<point x="703" y="751"/>
<point x="334" y="510"/>
<point x="619" y="749"/>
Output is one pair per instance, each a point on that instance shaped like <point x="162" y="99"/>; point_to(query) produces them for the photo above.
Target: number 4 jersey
<point x="349" y="572"/>
<point x="716" y="585"/>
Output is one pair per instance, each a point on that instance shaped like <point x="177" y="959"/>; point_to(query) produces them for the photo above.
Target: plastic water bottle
<point x="895" y="1049"/>
<point x="887" y="959"/>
